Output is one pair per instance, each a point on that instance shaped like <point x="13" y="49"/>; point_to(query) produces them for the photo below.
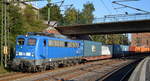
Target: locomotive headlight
<point x="20" y="53"/>
<point x="28" y="54"/>
<point x="32" y="54"/>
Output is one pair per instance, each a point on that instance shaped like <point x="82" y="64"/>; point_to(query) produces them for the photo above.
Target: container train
<point x="38" y="52"/>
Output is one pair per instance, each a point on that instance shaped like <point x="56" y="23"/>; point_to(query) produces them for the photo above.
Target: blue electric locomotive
<point x="38" y="52"/>
<point x="41" y="51"/>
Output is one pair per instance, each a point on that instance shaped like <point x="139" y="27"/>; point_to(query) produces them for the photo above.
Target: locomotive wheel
<point x="55" y="66"/>
<point x="43" y="68"/>
<point x="29" y="69"/>
<point x="40" y="68"/>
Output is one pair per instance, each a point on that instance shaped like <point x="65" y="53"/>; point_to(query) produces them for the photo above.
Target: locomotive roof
<point x="47" y="37"/>
<point x="44" y="34"/>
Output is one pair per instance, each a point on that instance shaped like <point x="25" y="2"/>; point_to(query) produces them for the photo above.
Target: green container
<point x="92" y="48"/>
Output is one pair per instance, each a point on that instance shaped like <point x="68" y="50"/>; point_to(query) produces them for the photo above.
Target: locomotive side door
<point x="45" y="49"/>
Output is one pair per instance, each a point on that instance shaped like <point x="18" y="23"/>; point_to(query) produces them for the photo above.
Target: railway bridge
<point x="107" y="28"/>
<point x="111" y="24"/>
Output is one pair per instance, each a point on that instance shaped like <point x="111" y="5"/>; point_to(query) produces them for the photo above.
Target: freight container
<point x="143" y="49"/>
<point x="138" y="49"/>
<point x="125" y="50"/>
<point x="120" y="50"/>
<point x="92" y="48"/>
<point x="132" y="49"/>
<point x="148" y="49"/>
<point x="117" y="50"/>
<point x="107" y="50"/>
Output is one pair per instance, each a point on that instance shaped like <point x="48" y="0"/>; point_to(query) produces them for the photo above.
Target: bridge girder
<point x="107" y="28"/>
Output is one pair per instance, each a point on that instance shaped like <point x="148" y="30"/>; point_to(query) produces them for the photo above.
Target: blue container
<point x="125" y="50"/>
<point x="120" y="50"/>
<point x="92" y="48"/>
<point x="117" y="50"/>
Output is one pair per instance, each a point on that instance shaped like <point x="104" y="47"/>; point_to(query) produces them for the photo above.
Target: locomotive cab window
<point x="31" y="41"/>
<point x="20" y="41"/>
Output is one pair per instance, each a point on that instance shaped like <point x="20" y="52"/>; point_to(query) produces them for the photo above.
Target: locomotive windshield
<point x="31" y="41"/>
<point x="20" y="41"/>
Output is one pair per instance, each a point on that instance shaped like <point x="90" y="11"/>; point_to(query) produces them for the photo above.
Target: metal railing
<point x="123" y="17"/>
<point x="110" y="18"/>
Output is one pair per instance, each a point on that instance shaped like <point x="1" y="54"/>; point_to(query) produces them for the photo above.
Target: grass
<point x="3" y="70"/>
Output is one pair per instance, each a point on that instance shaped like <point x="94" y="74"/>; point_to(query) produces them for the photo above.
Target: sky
<point x="104" y="7"/>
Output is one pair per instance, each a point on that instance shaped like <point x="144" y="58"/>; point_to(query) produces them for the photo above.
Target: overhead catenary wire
<point x="114" y="7"/>
<point x="126" y="0"/>
<point x="106" y="7"/>
<point x="59" y="7"/>
<point x="115" y="2"/>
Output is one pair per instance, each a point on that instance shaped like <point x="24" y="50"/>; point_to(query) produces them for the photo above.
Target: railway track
<point x="120" y="74"/>
<point x="53" y="74"/>
<point x="81" y="72"/>
<point x="11" y="76"/>
<point x="74" y="72"/>
<point x="77" y="72"/>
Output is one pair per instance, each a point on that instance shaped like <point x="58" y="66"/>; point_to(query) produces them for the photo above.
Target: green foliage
<point x="70" y="16"/>
<point x="16" y="21"/>
<point x="3" y="70"/>
<point x="87" y="16"/>
<point x="23" y="21"/>
<point x="111" y="39"/>
<point x="74" y="16"/>
<point x="31" y="23"/>
<point x="29" y="14"/>
<point x="55" y="14"/>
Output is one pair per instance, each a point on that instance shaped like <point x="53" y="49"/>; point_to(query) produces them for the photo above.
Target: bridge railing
<point x="123" y="17"/>
<point x="111" y="18"/>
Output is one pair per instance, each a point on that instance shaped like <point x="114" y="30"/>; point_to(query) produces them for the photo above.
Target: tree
<point x="74" y="16"/>
<point x="16" y="21"/>
<point x="87" y="13"/>
<point x="29" y="14"/>
<point x="99" y="38"/>
<point x="55" y="13"/>
<point x="71" y="16"/>
<point x="32" y="24"/>
<point x="112" y="39"/>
